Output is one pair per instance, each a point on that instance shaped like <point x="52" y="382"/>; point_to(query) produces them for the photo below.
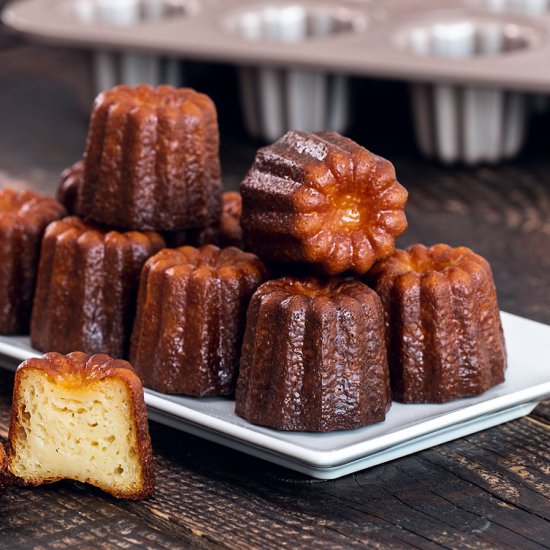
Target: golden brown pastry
<point x="151" y="160"/>
<point x="323" y="200"/>
<point x="443" y="326"/>
<point x="23" y="217"/>
<point x="87" y="285"/>
<point x="69" y="186"/>
<point x="190" y="318"/>
<point x="314" y="356"/>
<point x="83" y="418"/>
<point x="228" y="231"/>
<point x="225" y="232"/>
<point x="4" y="477"/>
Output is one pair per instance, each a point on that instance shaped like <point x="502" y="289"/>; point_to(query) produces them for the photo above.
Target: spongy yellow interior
<point x="85" y="434"/>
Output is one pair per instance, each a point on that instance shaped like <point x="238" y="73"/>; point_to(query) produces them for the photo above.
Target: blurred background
<point x="459" y="193"/>
<point x="46" y="91"/>
<point x="46" y="95"/>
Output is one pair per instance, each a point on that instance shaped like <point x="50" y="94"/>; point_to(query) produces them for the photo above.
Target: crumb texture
<point x="79" y="433"/>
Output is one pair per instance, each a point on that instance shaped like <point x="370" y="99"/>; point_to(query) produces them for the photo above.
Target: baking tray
<point x="464" y="59"/>
<point x="382" y="38"/>
<point x="407" y="429"/>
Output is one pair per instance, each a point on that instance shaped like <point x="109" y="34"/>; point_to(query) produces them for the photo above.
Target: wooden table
<point x="488" y="490"/>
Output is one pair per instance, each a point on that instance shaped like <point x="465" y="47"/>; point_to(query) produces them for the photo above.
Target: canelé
<point x="151" y="160"/>
<point x="227" y="231"/>
<point x="87" y="285"/>
<point x="323" y="200"/>
<point x="3" y="469"/>
<point x="83" y="418"/>
<point x="69" y="186"/>
<point x="314" y="356"/>
<point x="190" y="318"/>
<point x="444" y="334"/>
<point x="24" y="216"/>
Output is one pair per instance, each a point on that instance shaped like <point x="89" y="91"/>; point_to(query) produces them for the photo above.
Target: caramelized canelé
<point x="4" y="477"/>
<point x="69" y="186"/>
<point x="83" y="418"/>
<point x="87" y="285"/>
<point x="23" y="217"/>
<point x="314" y="356"/>
<point x="190" y="318"/>
<point x="228" y="231"/>
<point x="322" y="199"/>
<point x="225" y="232"/>
<point x="151" y="160"/>
<point x="443" y="326"/>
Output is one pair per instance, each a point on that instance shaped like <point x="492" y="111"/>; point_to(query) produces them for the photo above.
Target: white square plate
<point x="407" y="428"/>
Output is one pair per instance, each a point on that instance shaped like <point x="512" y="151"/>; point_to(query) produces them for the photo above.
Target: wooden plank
<point x="65" y="516"/>
<point x="363" y="507"/>
<point x="471" y="493"/>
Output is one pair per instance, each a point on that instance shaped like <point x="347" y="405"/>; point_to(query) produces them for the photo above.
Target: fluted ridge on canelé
<point x="443" y="327"/>
<point x="87" y="284"/>
<point x="323" y="200"/>
<point x="190" y="318"/>
<point x="24" y="216"/>
<point x="314" y="356"/>
<point x="152" y="159"/>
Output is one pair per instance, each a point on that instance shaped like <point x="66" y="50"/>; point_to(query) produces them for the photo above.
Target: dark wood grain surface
<point x="487" y="490"/>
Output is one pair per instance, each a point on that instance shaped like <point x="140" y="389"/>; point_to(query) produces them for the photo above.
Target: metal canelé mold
<point x="469" y="61"/>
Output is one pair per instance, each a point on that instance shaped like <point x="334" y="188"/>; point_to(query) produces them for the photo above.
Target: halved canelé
<point x="83" y="418"/>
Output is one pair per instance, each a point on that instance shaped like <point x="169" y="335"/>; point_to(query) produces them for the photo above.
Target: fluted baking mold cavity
<point x="276" y="100"/>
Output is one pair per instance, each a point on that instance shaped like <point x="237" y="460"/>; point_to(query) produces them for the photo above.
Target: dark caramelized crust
<point x="75" y="372"/>
<point x="228" y="231"/>
<point x="4" y="478"/>
<point x="445" y="338"/>
<point x="151" y="159"/>
<point x="190" y="318"/>
<point x="314" y="356"/>
<point x="23" y="217"/>
<point x="79" y="368"/>
<point x="69" y="186"/>
<point x="322" y="199"/>
<point x="87" y="286"/>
